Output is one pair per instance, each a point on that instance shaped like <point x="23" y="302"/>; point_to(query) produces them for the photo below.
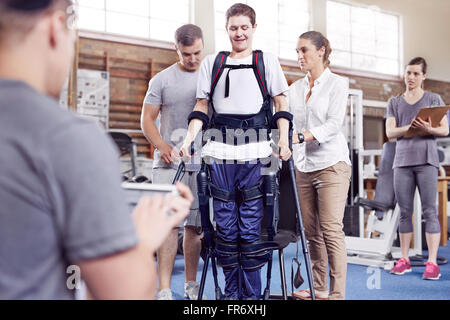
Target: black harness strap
<point x="257" y="66"/>
<point x="233" y="67"/>
<point x="218" y="68"/>
<point x="259" y="69"/>
<point x="241" y="122"/>
<point x="256" y="121"/>
<point x="239" y="196"/>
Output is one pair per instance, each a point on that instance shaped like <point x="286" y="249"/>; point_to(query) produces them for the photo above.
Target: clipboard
<point x="436" y="114"/>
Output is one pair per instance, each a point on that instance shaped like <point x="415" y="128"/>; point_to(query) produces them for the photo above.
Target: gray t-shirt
<point x="418" y="150"/>
<point x="60" y="195"/>
<point x="174" y="91"/>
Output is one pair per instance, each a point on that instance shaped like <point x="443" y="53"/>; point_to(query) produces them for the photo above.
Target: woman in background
<point x="416" y="164"/>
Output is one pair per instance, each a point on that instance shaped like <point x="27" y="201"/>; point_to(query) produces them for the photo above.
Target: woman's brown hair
<point x="319" y="41"/>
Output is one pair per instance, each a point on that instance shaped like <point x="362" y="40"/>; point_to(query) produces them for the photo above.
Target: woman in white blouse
<point x="323" y="168"/>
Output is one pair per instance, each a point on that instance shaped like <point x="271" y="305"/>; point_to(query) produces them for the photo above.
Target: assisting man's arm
<point x="148" y="124"/>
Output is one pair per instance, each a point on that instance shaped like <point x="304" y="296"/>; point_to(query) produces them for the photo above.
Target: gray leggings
<point x="406" y="179"/>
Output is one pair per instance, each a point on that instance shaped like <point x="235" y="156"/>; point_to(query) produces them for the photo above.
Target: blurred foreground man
<point x="62" y="211"/>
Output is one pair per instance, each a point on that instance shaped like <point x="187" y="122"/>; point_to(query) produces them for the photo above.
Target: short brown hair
<point x="240" y="9"/>
<point x="319" y="41"/>
<point x="187" y="34"/>
<point x="20" y="16"/>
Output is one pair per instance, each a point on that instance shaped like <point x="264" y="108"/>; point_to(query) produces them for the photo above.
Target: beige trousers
<point x="323" y="195"/>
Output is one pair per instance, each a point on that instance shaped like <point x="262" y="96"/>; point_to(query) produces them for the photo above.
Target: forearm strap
<point x="282" y="114"/>
<point x="201" y="116"/>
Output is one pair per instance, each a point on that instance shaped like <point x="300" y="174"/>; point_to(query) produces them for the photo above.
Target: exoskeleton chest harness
<point x="247" y="256"/>
<point x="236" y="125"/>
<point x="233" y="126"/>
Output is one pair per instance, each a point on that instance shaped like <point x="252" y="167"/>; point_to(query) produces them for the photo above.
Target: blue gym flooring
<point x="363" y="283"/>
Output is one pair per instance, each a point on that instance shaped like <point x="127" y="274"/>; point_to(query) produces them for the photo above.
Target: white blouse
<point x="323" y="115"/>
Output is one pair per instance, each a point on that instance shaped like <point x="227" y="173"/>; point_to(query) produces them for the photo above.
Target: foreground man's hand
<point x="152" y="219"/>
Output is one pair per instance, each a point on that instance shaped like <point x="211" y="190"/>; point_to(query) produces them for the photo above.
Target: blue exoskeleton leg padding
<point x="238" y="222"/>
<point x="241" y="198"/>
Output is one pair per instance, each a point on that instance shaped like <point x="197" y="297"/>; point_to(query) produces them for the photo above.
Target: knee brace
<point x="227" y="254"/>
<point x="256" y="254"/>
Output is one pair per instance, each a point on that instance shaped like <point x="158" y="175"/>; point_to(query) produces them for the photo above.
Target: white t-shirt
<point x="244" y="98"/>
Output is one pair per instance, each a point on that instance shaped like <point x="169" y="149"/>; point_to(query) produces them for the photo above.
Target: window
<point x="363" y="38"/>
<point x="280" y="23"/>
<point x="137" y="18"/>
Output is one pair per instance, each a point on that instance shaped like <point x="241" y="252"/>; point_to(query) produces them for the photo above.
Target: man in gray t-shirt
<point x="172" y="95"/>
<point x="62" y="215"/>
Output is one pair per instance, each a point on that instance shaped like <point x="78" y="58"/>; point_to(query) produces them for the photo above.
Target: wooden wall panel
<point x="130" y="67"/>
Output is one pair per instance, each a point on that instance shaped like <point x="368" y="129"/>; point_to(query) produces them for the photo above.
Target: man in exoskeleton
<point x="237" y="150"/>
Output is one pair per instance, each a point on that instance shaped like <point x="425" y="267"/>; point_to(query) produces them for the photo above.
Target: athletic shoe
<point x="401" y="266"/>
<point x="164" y="294"/>
<point x="191" y="289"/>
<point x="432" y="271"/>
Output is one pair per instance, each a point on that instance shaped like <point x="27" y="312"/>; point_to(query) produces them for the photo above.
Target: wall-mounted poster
<point x="93" y="96"/>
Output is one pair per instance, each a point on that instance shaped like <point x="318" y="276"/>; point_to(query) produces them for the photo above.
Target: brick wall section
<point x="443" y="88"/>
<point x="382" y="90"/>
<point x="131" y="67"/>
<point x="131" y="70"/>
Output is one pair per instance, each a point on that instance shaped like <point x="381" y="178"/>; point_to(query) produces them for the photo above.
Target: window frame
<point x="317" y="21"/>
<point x="370" y="73"/>
<point x="132" y="39"/>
